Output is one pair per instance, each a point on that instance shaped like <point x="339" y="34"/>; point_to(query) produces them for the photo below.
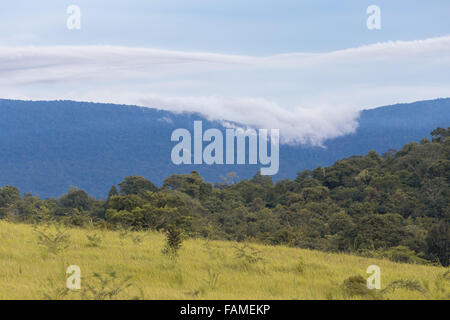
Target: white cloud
<point x="310" y="97"/>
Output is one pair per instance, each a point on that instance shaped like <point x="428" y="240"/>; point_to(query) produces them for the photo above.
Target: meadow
<point x="131" y="265"/>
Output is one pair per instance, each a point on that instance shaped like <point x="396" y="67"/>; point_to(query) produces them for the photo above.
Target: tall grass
<point x="128" y="269"/>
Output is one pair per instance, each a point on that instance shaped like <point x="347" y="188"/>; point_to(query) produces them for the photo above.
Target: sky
<point x="304" y="67"/>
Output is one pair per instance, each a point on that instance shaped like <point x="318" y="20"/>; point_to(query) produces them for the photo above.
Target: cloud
<point x="310" y="97"/>
<point x="300" y="125"/>
<point x="166" y="120"/>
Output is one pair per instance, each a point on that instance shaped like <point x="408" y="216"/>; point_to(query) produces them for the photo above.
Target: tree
<point x="128" y="202"/>
<point x="192" y="184"/>
<point x="76" y="199"/>
<point x="136" y="185"/>
<point x="440" y="134"/>
<point x="8" y="195"/>
<point x="174" y="239"/>
<point x="438" y="243"/>
<point x="113" y="192"/>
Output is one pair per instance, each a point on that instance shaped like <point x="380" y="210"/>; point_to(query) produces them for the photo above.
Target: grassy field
<point x="128" y="265"/>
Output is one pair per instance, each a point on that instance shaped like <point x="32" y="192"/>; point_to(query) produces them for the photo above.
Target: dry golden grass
<point x="203" y="270"/>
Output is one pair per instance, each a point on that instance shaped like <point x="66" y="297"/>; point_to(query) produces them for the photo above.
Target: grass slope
<point x="203" y="270"/>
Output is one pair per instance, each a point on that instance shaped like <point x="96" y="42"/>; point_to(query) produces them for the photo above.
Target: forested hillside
<point x="394" y="205"/>
<point x="48" y="146"/>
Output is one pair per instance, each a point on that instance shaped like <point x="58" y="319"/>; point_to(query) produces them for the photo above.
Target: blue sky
<point x="304" y="67"/>
<point x="251" y="27"/>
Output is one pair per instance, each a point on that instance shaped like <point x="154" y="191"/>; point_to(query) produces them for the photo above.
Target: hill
<point x="395" y="206"/>
<point x="203" y="270"/>
<point x="46" y="147"/>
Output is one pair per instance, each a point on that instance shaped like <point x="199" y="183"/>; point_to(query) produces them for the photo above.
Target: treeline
<point x="395" y="205"/>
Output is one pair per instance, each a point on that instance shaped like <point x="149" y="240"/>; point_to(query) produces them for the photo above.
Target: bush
<point x="402" y="254"/>
<point x="94" y="240"/>
<point x="438" y="243"/>
<point x="357" y="286"/>
<point x="54" y="241"/>
<point x="173" y="242"/>
<point x="412" y="285"/>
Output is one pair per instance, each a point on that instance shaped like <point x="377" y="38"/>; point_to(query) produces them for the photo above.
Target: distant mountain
<point x="47" y="147"/>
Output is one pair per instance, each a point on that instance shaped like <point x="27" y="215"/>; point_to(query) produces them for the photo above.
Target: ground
<point x="131" y="265"/>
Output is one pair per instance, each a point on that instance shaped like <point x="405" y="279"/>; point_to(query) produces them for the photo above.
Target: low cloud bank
<point x="310" y="97"/>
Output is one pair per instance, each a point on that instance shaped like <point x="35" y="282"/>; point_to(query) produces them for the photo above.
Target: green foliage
<point x="55" y="290"/>
<point x="191" y="185"/>
<point x="53" y="239"/>
<point x="32" y="210"/>
<point x="446" y="275"/>
<point x="135" y="185"/>
<point x="357" y="286"/>
<point x="438" y="243"/>
<point x="440" y="134"/>
<point x="247" y="254"/>
<point x="212" y="281"/>
<point x="113" y="192"/>
<point x="300" y="267"/>
<point x="8" y="196"/>
<point x="76" y="199"/>
<point x="209" y="283"/>
<point x="174" y="239"/>
<point x="247" y="257"/>
<point x="402" y="254"/>
<point x="105" y="286"/>
<point x="94" y="240"/>
<point x="138" y="238"/>
<point x="412" y="285"/>
<point x="395" y="206"/>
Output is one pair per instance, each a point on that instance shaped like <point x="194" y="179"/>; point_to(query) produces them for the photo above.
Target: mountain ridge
<point x="48" y="146"/>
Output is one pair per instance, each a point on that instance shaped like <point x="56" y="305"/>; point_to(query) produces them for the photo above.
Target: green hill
<point x="396" y="206"/>
<point x="131" y="266"/>
<point x="252" y="239"/>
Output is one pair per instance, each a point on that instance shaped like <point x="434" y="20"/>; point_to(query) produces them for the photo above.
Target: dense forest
<point x="395" y="205"/>
<point x="48" y="146"/>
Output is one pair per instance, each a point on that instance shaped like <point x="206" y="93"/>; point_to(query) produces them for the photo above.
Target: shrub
<point x="402" y="254"/>
<point x="356" y="286"/>
<point x="54" y="241"/>
<point x="412" y="285"/>
<point x="94" y="240"/>
<point x="173" y="242"/>
<point x="105" y="286"/>
<point x="300" y="267"/>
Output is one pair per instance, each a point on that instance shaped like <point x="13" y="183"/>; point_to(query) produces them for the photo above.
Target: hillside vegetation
<point x="131" y="265"/>
<point x="48" y="146"/>
<point x="393" y="206"/>
<point x="252" y="239"/>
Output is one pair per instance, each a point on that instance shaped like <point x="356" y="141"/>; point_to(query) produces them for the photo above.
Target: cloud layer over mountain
<point x="310" y="97"/>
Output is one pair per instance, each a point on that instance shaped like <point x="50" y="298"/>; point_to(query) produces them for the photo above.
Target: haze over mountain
<point x="47" y="147"/>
